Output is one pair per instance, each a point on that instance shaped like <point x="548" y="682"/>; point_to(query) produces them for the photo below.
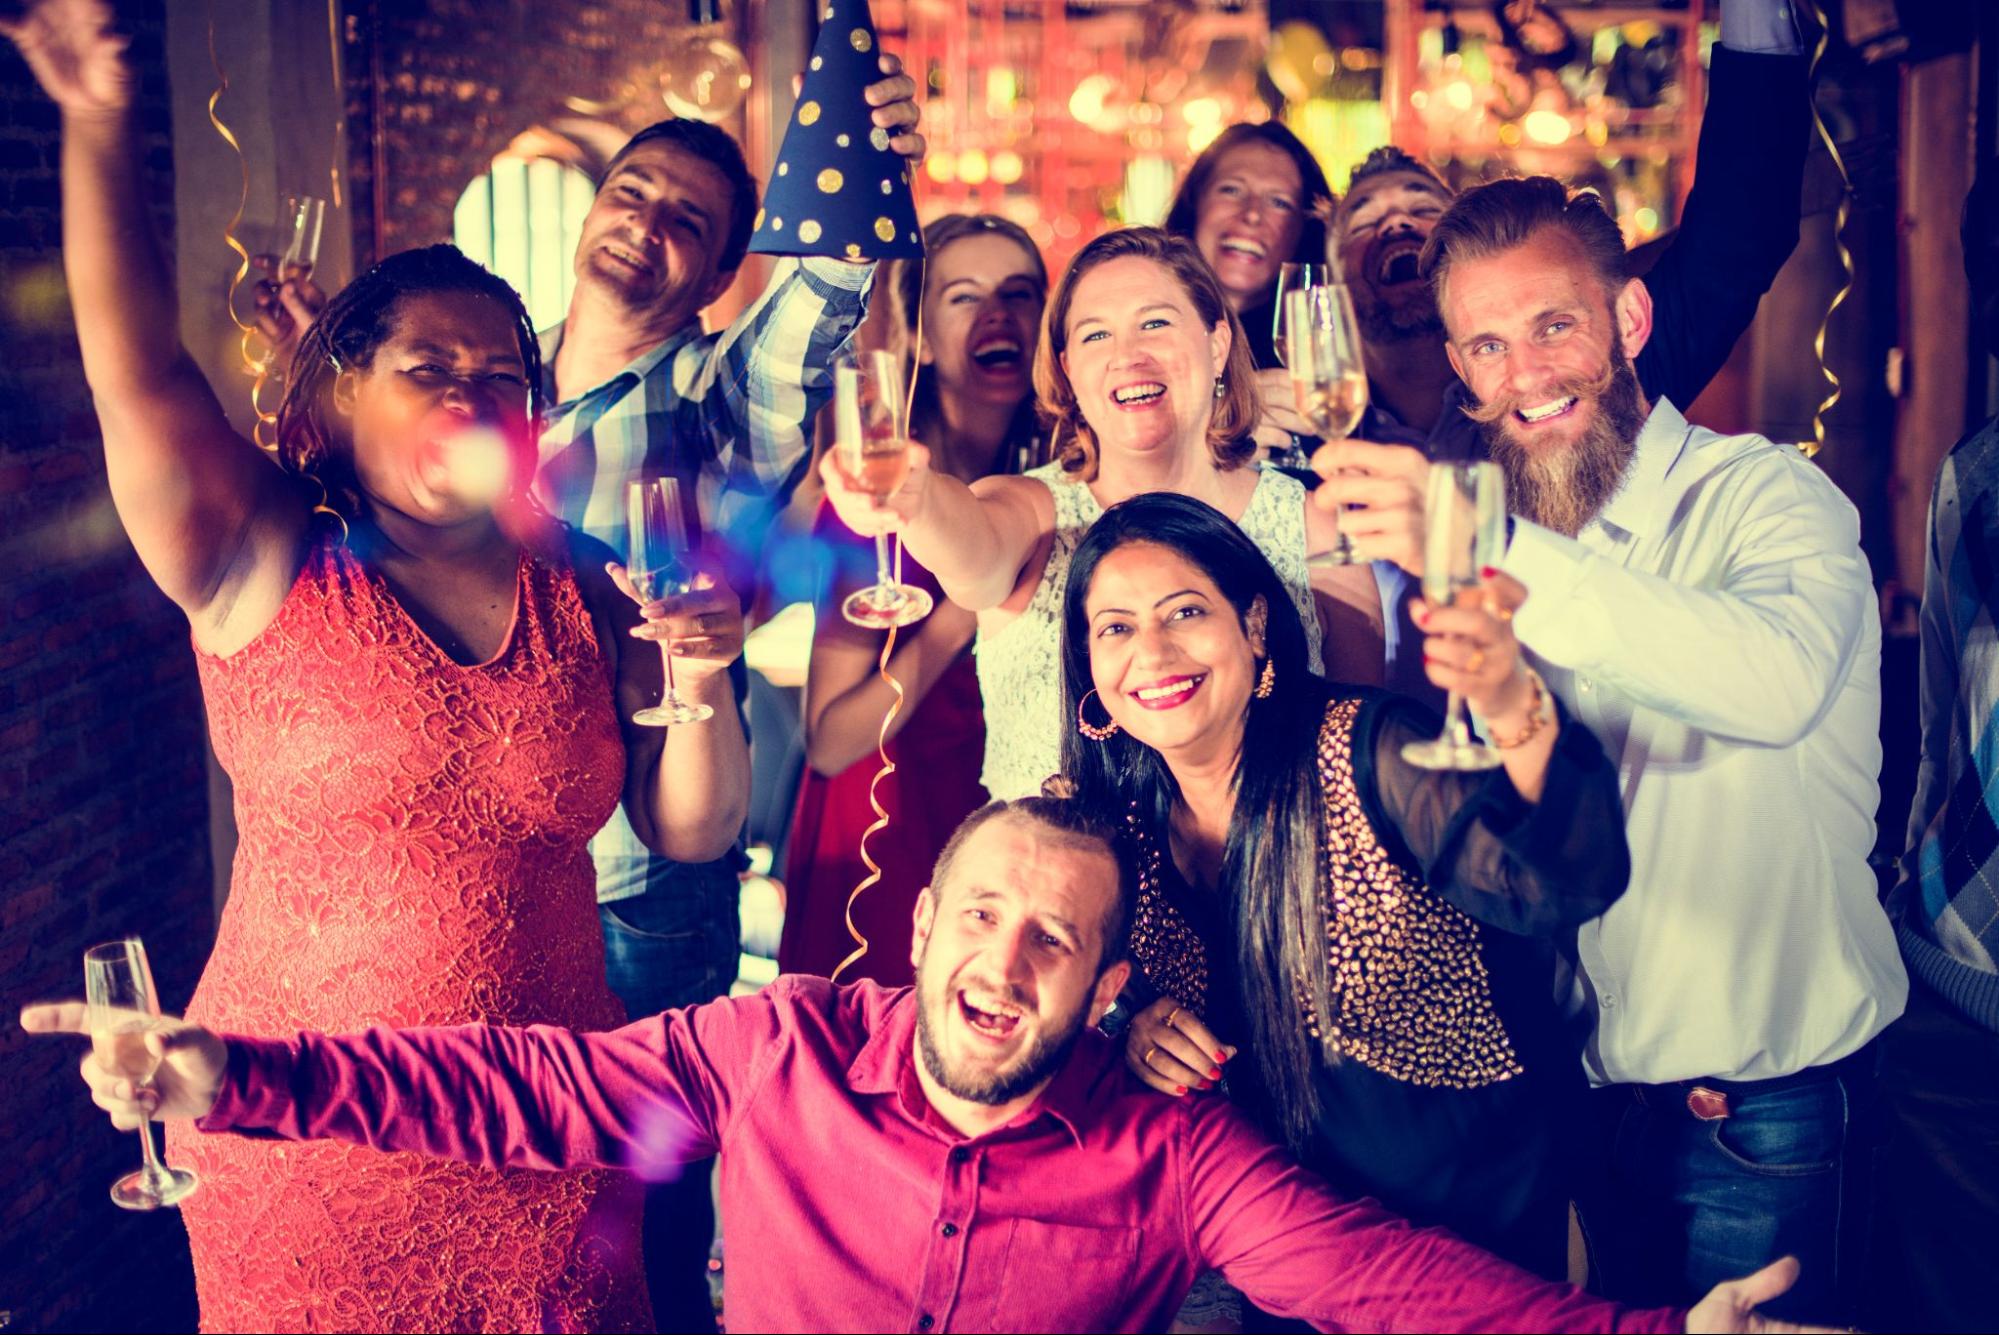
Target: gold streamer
<point x="259" y="367"/>
<point x="1840" y="215"/>
<point x="339" y="97"/>
<point x="895" y="706"/>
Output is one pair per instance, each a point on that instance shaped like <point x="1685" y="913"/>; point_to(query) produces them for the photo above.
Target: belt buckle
<point x="1709" y="1105"/>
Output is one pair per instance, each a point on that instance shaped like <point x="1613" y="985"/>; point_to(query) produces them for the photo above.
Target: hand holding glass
<point x="1464" y="531"/>
<point x="1328" y="376"/>
<point x="308" y="219"/>
<point x="123" y="1007"/>
<point x="657" y="564"/>
<point x="871" y="432"/>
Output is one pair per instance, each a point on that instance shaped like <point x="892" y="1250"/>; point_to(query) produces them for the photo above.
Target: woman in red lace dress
<point x="420" y="697"/>
<point x="974" y="409"/>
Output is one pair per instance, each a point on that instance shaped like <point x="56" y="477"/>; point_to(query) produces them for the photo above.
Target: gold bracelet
<point x="1542" y="715"/>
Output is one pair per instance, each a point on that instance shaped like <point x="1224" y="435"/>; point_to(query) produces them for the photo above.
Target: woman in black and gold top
<point x="1381" y="941"/>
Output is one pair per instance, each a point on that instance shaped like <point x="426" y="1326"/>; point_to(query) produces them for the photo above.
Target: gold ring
<point x="1169" y="1016"/>
<point x="1476" y="661"/>
<point x="1146" y="1060"/>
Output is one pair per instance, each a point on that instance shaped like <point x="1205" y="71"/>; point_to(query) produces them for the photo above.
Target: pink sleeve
<point x="657" y="1093"/>
<point x="1296" y="1247"/>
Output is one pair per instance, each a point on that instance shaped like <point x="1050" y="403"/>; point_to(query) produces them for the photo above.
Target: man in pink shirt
<point x="965" y="1155"/>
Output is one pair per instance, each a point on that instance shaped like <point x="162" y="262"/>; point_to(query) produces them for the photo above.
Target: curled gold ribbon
<point x="263" y="431"/>
<point x="1840" y="215"/>
<point x="895" y="706"/>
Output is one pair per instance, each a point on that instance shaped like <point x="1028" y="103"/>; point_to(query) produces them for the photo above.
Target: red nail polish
<point x="1215" y="1074"/>
<point x="1221" y="1057"/>
<point x="1207" y="1084"/>
<point x="1428" y="660"/>
<point x="1488" y="571"/>
<point x="1179" y="1089"/>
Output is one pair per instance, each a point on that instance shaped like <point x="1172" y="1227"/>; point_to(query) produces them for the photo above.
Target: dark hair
<point x="715" y="147"/>
<point x="1236" y="410"/>
<point x="356" y="322"/>
<point x="1978" y="233"/>
<point x="1272" y="860"/>
<point x="1388" y="158"/>
<point x="1186" y="207"/>
<point x="1503" y="214"/>
<point x="905" y="285"/>
<point x="1074" y="823"/>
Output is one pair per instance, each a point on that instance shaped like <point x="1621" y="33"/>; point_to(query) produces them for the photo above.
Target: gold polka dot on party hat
<point x="879" y="138"/>
<point x="808" y="112"/>
<point x="777" y="224"/>
<point x="784" y="169"/>
<point x="861" y="40"/>
<point x="808" y="231"/>
<point x="842" y="140"/>
<point x="759" y="222"/>
<point x="853" y="250"/>
<point x="884" y="229"/>
<point x="888" y="188"/>
<point x="817" y="61"/>
<point x="830" y="180"/>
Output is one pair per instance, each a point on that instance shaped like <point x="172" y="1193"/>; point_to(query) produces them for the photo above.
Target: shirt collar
<point x="633" y="371"/>
<point x="1645" y="502"/>
<point x="886" y="1064"/>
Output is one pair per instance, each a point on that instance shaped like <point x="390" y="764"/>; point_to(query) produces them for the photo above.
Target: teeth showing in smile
<point x="1547" y="410"/>
<point x="1242" y="245"/>
<point x="631" y="257"/>
<point x="1145" y="393"/>
<point x="1169" y="690"/>
<point x="995" y="1023"/>
<point x="1399" y="262"/>
<point x="997" y="352"/>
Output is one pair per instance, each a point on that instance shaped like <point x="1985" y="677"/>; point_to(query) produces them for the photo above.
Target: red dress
<point x="935" y="786"/>
<point x="412" y="851"/>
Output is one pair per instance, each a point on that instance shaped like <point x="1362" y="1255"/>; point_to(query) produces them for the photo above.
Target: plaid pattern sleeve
<point x="753" y="389"/>
<point x="1946" y="905"/>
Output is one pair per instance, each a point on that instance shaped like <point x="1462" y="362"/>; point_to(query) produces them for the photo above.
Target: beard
<point x="1564" y="487"/>
<point x="1042" y="1058"/>
<point x="1385" y="321"/>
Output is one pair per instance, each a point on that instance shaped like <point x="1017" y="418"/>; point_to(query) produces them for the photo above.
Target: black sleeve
<point x="1533" y="869"/>
<point x="1740" y="223"/>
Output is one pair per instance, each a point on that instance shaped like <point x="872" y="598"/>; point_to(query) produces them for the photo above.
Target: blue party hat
<point x="839" y="189"/>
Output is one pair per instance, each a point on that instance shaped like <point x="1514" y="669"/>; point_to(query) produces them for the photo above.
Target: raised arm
<point x="975" y="539"/>
<point x="1741" y="218"/>
<point x="1758" y="652"/>
<point x="207" y="513"/>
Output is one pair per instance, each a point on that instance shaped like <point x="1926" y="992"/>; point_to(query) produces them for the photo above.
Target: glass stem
<point x="666" y="657"/>
<point x="1457" y="730"/>
<point x="883" y="579"/>
<point x="155" y="1170"/>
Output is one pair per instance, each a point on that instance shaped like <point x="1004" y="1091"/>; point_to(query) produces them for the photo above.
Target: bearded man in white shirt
<point x="1701" y="602"/>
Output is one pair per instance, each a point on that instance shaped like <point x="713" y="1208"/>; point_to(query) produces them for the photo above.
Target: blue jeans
<point x="1682" y="1204"/>
<point x="676" y="945"/>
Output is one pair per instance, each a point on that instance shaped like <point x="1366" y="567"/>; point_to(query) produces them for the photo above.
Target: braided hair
<point x="356" y="323"/>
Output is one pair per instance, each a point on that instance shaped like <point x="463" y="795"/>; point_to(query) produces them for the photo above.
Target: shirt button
<point x="1609" y="1000"/>
<point x="925" y="1322"/>
<point x="960" y="1155"/>
<point x="949" y="1230"/>
<point x="1586" y="685"/>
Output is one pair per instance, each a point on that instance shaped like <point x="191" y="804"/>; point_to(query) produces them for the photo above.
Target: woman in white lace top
<point x="1147" y="381"/>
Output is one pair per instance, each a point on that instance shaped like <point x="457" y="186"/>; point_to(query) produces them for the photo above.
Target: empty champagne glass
<point x="1328" y="375"/>
<point x="123" y="1007"/>
<point x="872" y="434"/>
<point x="658" y="566"/>
<point x="308" y="218"/>
<point x="1292" y="277"/>
<point x="1464" y="530"/>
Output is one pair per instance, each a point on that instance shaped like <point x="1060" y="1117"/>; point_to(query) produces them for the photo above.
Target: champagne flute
<point x="123" y="1007"/>
<point x="308" y="218"/>
<point x="1328" y="375"/>
<point x="1464" y="530"/>
<point x="657" y="564"/>
<point x="872" y="434"/>
<point x="1292" y="277"/>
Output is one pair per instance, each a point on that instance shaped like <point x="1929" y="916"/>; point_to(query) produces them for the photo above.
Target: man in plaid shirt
<point x="1938" y="1212"/>
<point x="640" y="390"/>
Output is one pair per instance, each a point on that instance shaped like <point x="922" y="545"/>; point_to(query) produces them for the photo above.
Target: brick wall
<point x="103" y="816"/>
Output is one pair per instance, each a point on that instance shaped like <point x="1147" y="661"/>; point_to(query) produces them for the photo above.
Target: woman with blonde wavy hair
<point x="1147" y="382"/>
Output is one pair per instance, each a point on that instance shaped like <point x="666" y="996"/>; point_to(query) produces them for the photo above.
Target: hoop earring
<point x="1220" y="388"/>
<point x="1267" y="682"/>
<point x="1095" y="732"/>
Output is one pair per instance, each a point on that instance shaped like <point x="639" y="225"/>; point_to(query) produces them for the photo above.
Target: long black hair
<point x="1273" y="862"/>
<point x="356" y="323"/>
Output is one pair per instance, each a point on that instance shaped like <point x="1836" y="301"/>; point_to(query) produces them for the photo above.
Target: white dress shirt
<point x="1716" y="628"/>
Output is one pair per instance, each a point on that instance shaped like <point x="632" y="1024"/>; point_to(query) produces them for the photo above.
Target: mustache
<point x="1581" y="387"/>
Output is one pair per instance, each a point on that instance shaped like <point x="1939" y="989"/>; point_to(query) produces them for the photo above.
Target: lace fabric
<point x="412" y="851"/>
<point x="1020" y="665"/>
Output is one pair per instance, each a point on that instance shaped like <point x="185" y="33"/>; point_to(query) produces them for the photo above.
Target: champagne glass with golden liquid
<point x="871" y="432"/>
<point x="123" y="1006"/>
<point x="1464" y="530"/>
<point x="658" y="565"/>
<point x="1328" y="375"/>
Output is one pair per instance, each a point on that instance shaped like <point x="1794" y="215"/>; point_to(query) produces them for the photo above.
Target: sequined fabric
<point x="1411" y="995"/>
<point x="412" y="852"/>
<point x="1164" y="945"/>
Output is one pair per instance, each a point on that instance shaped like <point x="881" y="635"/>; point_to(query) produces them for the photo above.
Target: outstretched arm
<point x="206" y="511"/>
